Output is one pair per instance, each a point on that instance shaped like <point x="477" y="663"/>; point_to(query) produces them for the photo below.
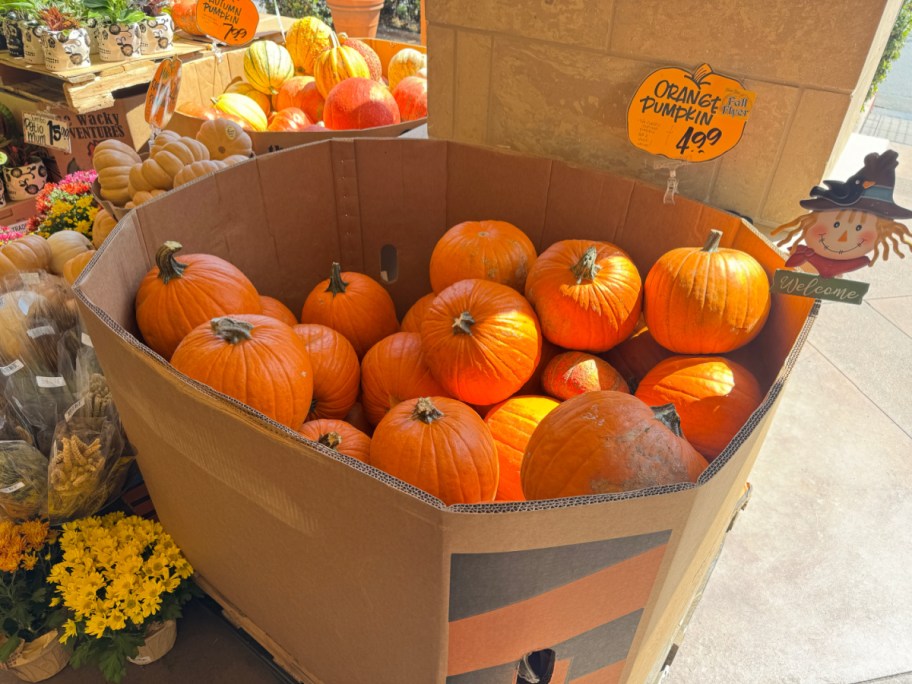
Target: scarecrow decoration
<point x="847" y="222"/>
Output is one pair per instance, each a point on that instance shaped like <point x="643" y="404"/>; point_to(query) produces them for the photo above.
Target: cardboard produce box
<point x="124" y="121"/>
<point x="346" y="574"/>
<point x="205" y="78"/>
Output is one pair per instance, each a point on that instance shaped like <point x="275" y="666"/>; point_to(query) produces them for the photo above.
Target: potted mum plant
<point x="118" y="32"/>
<point x="66" y="42"/>
<point x="122" y="584"/>
<point x="24" y="173"/>
<point x="29" y="643"/>
<point x="156" y="30"/>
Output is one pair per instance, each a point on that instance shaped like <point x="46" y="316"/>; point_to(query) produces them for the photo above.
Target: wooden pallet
<point x="88" y="89"/>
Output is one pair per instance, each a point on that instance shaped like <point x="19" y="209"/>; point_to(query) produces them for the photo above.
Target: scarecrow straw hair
<point x="889" y="234"/>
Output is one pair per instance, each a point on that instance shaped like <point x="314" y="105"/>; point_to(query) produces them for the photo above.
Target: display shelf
<point x="13" y="213"/>
<point x="88" y="89"/>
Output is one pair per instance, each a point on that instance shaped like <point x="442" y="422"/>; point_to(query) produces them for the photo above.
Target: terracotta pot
<point x="356" y="17"/>
<point x="423" y="24"/>
<point x="23" y="182"/>
<point x="39" y="659"/>
<point x="159" y="640"/>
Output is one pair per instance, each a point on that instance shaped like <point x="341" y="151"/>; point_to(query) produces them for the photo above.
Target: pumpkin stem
<point x="169" y="267"/>
<point x="712" y="241"/>
<point x="586" y="268"/>
<point x="335" y="39"/>
<point x="231" y="330"/>
<point x="701" y="73"/>
<point x="426" y="412"/>
<point x="463" y="324"/>
<point x="336" y="284"/>
<point x="668" y="416"/>
<point x="331" y="440"/>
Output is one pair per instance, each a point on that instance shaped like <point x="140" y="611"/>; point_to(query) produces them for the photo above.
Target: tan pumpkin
<point x="73" y="267"/>
<point x="158" y="171"/>
<point x="66" y="244"/>
<point x="224" y="138"/>
<point x="163" y="139"/>
<point x="7" y="267"/>
<point x="235" y="159"/>
<point x="102" y="226"/>
<point x="113" y="160"/>
<point x="28" y="253"/>
<point x="142" y="197"/>
<point x="197" y="170"/>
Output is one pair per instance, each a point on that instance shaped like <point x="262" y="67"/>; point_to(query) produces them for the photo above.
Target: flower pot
<point x="356" y="17"/>
<point x="94" y="32"/>
<point x="118" y="41"/>
<point x="66" y="49"/>
<point x="40" y="659"/>
<point x="23" y="182"/>
<point x="159" y="640"/>
<point x="32" y="41"/>
<point x="2" y="192"/>
<point x="156" y="34"/>
<point x="13" y="35"/>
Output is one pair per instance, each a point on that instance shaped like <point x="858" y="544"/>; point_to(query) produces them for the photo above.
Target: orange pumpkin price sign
<point x="689" y="116"/>
<point x="232" y="22"/>
<point x="161" y="97"/>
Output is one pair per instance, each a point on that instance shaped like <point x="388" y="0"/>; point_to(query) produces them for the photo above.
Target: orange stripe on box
<point x="561" y="670"/>
<point x="504" y="635"/>
<point x="607" y="675"/>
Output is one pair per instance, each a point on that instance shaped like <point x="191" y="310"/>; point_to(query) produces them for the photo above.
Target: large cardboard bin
<point x="350" y="576"/>
<point x="203" y="79"/>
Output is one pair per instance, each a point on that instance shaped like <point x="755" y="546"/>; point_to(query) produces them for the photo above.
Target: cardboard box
<point x="205" y="78"/>
<point x="124" y="121"/>
<point x="348" y="575"/>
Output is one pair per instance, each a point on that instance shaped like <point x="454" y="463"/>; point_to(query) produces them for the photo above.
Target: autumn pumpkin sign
<point x="692" y="116"/>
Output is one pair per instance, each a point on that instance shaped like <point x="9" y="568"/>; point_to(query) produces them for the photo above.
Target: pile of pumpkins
<point x="520" y="376"/>
<point x="64" y="253"/>
<point x="127" y="180"/>
<point x="320" y="80"/>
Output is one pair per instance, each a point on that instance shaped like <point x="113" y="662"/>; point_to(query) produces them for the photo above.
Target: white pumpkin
<point x="66" y="244"/>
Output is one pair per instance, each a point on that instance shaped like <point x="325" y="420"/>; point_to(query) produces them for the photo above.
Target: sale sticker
<point x="689" y="116"/>
<point x="161" y="98"/>
<point x="40" y="128"/>
<point x="233" y="22"/>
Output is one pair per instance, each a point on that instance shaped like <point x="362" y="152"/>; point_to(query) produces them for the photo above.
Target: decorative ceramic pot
<point x="67" y="49"/>
<point x="23" y="182"/>
<point x="159" y="640"/>
<point x="94" y="29"/>
<point x="40" y="659"/>
<point x="13" y="35"/>
<point x="118" y="41"/>
<point x="32" y="41"/>
<point x="2" y="192"/>
<point x="156" y="34"/>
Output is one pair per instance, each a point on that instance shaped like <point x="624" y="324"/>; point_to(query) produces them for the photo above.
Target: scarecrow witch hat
<point x="871" y="189"/>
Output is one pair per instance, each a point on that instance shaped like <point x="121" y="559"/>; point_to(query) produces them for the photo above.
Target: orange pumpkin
<point x="275" y="309"/>
<point x="198" y="111"/>
<point x="587" y="294"/>
<point x="337" y="375"/>
<point x="411" y="322"/>
<point x="606" y="442"/>
<point x="290" y="93"/>
<point x="358" y="103"/>
<point x="439" y="445"/>
<point x="512" y="423"/>
<point x="73" y="267"/>
<point x="714" y="397"/>
<point x="481" y="340"/>
<point x="176" y="296"/>
<point x="338" y="436"/>
<point x="707" y="300"/>
<point x="289" y="119"/>
<point x="394" y="370"/>
<point x="411" y="95"/>
<point x="354" y="304"/>
<point x="574" y="372"/>
<point x="255" y="359"/>
<point x="357" y="417"/>
<point x="534" y="385"/>
<point x="636" y="356"/>
<point x="489" y="250"/>
<point x="337" y="63"/>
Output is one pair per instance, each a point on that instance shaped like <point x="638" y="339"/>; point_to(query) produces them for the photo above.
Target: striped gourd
<point x="336" y="64"/>
<point x="407" y="62"/>
<point x="306" y="39"/>
<point x="243" y="108"/>
<point x="267" y="66"/>
<point x="244" y="88"/>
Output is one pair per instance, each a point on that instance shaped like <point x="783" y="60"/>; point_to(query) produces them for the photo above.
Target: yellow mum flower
<point x="116" y="620"/>
<point x="29" y="560"/>
<point x="95" y="626"/>
<point x="69" y="631"/>
<point x="35" y="533"/>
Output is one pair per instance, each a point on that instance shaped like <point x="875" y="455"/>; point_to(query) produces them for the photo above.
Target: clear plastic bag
<point x="12" y="425"/>
<point x="85" y="454"/>
<point x="41" y="399"/>
<point x="23" y="481"/>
